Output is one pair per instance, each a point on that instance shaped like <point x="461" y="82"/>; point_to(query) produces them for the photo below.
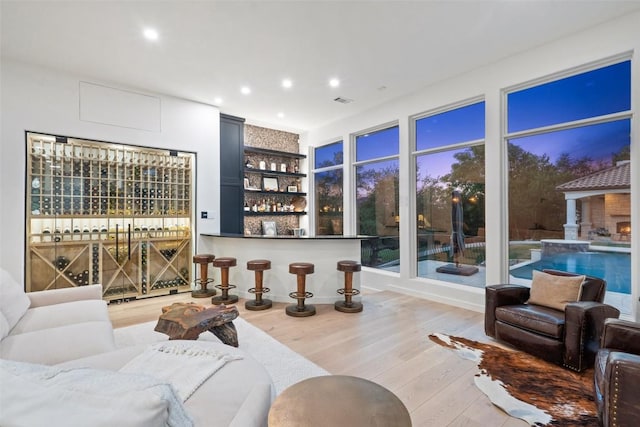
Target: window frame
<point x="415" y="154"/>
<point x="314" y="219"/>
<point x="353" y="205"/>
<point x="507" y="136"/>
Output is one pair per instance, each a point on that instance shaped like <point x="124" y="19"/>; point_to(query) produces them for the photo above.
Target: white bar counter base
<point x="322" y="251"/>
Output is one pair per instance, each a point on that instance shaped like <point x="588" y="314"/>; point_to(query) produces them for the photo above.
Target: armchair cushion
<point x="543" y="320"/>
<point x="14" y="302"/>
<point x="554" y="291"/>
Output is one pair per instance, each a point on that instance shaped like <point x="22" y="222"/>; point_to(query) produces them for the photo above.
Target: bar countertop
<point x="288" y="237"/>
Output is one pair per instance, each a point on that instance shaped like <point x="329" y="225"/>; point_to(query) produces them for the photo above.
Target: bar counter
<point x="322" y="251"/>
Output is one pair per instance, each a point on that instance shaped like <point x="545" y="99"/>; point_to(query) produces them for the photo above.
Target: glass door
<point x="170" y="244"/>
<point x="121" y="251"/>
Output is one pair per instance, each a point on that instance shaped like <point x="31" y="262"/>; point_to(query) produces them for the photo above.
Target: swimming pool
<point x="614" y="267"/>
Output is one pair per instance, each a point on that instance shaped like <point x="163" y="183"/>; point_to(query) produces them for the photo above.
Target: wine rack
<point x="100" y="212"/>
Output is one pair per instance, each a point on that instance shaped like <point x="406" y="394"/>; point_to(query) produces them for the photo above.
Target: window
<point x="328" y="178"/>
<point x="450" y="214"/>
<point x="568" y="146"/>
<point x="377" y="204"/>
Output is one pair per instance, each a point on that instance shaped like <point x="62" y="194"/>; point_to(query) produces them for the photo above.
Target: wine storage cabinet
<point x="111" y="214"/>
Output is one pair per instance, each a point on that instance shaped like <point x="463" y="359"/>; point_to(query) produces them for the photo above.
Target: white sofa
<point x="69" y="329"/>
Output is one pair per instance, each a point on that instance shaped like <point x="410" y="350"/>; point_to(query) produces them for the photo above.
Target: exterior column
<point x="571" y="228"/>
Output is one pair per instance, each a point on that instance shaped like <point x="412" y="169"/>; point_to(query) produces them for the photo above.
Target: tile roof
<point x="616" y="177"/>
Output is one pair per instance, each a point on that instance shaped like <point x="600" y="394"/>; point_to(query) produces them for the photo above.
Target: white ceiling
<point x="209" y="49"/>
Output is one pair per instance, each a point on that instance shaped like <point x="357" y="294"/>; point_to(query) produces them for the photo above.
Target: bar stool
<point x="348" y="306"/>
<point x="259" y="266"/>
<point x="301" y="269"/>
<point x="203" y="260"/>
<point x="224" y="298"/>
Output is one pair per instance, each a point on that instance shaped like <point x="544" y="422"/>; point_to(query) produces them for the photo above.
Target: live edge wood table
<point x="338" y="400"/>
<point x="186" y="321"/>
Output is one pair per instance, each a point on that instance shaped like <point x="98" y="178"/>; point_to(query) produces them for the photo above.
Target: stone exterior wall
<point x="617" y="209"/>
<point x="605" y="211"/>
<point x="597" y="212"/>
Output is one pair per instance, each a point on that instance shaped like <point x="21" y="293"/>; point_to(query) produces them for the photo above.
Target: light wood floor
<point x="387" y="343"/>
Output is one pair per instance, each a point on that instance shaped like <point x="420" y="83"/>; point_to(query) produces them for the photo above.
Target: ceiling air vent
<point x="343" y="100"/>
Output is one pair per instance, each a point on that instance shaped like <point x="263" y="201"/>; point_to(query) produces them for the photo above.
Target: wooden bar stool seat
<point x="301" y="269"/>
<point x="203" y="291"/>
<point x="259" y="266"/>
<point x="224" y="263"/>
<point x="348" y="306"/>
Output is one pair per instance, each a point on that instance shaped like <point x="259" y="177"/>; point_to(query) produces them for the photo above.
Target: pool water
<point x="613" y="267"/>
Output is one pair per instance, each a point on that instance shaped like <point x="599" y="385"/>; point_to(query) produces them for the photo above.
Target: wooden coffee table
<point x="338" y="400"/>
<point x="186" y="321"/>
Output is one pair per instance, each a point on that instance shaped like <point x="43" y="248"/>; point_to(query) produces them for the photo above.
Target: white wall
<point x="610" y="39"/>
<point x="42" y="100"/>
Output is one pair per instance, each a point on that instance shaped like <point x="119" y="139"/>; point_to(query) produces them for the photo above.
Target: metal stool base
<point x="203" y="293"/>
<point x="230" y="299"/>
<point x="354" y="307"/>
<point x="254" y="306"/>
<point x="292" y="310"/>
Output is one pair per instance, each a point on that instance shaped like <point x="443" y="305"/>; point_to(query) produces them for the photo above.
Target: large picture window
<point x="328" y="178"/>
<point x="450" y="179"/>
<point x="568" y="147"/>
<point x="377" y="179"/>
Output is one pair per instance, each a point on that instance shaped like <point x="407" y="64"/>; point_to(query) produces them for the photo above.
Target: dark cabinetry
<point x="231" y="177"/>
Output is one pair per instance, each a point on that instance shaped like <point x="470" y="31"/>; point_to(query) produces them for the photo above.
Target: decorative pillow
<point x="14" y="302"/>
<point x="48" y="395"/>
<point x="554" y="291"/>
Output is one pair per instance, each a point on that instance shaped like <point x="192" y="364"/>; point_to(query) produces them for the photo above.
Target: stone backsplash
<point x="284" y="224"/>
<point x="271" y="139"/>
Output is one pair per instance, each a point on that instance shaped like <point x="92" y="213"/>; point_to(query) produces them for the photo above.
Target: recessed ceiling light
<point x="245" y="90"/>
<point x="281" y="115"/>
<point x="217" y="100"/>
<point x="287" y="83"/>
<point x="334" y="82"/>
<point x="150" y="34"/>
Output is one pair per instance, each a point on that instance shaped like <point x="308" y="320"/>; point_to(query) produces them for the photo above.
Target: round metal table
<point x="338" y="400"/>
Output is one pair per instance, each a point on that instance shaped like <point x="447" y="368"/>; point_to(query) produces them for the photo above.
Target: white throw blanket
<point x="184" y="364"/>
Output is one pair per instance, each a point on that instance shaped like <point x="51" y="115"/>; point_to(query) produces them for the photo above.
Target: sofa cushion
<point x="553" y="291"/>
<point x="14" y="302"/>
<point x="45" y="395"/>
<point x="53" y="316"/>
<point x="56" y="345"/>
<point x="4" y="326"/>
<point x="542" y="320"/>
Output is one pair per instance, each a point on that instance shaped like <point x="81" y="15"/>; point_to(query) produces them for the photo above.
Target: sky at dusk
<point x="595" y="93"/>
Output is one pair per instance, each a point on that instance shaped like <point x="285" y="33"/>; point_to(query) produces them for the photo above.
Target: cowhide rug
<point x="526" y="387"/>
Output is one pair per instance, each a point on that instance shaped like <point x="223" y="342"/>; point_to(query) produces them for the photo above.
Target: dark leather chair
<point x="568" y="338"/>
<point x="617" y="374"/>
